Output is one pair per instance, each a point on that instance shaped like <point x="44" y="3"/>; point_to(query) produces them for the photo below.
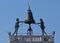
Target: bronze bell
<point x="29" y="17"/>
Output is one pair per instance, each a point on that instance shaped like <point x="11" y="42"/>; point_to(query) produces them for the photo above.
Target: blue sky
<point x="48" y="10"/>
